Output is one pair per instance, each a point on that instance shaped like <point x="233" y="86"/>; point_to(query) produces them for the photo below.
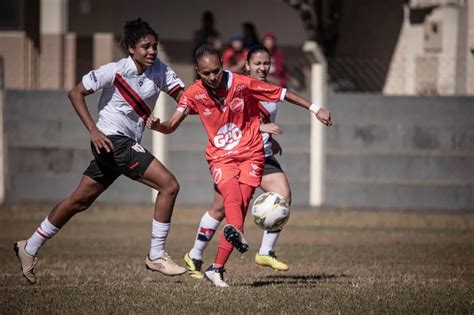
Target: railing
<point x="357" y="75"/>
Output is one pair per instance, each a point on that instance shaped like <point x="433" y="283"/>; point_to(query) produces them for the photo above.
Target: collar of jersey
<point x="132" y="67"/>
<point x="229" y="79"/>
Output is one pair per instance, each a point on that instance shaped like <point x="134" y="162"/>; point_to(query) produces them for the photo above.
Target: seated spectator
<point x="207" y="34"/>
<point x="250" y="35"/>
<point x="235" y="57"/>
<point x="277" y="74"/>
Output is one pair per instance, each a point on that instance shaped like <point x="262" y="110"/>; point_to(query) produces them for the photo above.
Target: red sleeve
<point x="264" y="91"/>
<point x="186" y="104"/>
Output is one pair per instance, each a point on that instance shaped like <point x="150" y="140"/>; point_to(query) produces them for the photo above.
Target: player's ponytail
<point x="134" y="31"/>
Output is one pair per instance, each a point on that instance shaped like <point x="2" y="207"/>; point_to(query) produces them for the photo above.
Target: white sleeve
<point x="100" y="78"/>
<point x="171" y="80"/>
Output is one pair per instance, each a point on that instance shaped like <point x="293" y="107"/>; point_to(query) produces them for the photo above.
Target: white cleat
<point x="216" y="276"/>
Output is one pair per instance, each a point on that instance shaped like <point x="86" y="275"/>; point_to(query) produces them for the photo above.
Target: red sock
<point x="236" y="200"/>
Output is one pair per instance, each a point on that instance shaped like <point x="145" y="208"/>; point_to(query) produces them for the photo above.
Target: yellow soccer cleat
<point x="271" y="261"/>
<point x="194" y="267"/>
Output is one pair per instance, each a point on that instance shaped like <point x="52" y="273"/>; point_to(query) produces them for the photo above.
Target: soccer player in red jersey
<point x="227" y="104"/>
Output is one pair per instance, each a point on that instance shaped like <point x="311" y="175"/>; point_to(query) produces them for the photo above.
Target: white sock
<point x="206" y="230"/>
<point x="43" y="233"/>
<point x="268" y="242"/>
<point x="159" y="233"/>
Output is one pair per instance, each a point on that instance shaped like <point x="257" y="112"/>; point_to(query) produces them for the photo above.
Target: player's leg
<point x="160" y="178"/>
<point x="207" y="227"/>
<point x="232" y="199"/>
<point x="274" y="179"/>
<point x="135" y="162"/>
<point x="250" y="175"/>
<point x="234" y="234"/>
<point x="85" y="194"/>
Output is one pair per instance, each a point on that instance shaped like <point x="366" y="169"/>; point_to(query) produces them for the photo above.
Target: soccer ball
<point x="270" y="211"/>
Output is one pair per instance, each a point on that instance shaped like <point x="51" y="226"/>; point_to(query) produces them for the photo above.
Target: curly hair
<point x="134" y="31"/>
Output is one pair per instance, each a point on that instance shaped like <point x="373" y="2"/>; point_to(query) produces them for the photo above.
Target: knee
<point x="234" y="198"/>
<point x="79" y="204"/>
<point x="172" y="188"/>
<point x="217" y="213"/>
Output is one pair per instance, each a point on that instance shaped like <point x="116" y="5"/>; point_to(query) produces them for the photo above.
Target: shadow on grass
<point x="295" y="279"/>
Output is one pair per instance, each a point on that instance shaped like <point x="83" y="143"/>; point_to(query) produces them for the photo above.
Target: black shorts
<point x="271" y="166"/>
<point x="128" y="158"/>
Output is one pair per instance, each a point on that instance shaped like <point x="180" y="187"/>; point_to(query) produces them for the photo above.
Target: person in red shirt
<point x="235" y="56"/>
<point x="227" y="104"/>
<point x="277" y="74"/>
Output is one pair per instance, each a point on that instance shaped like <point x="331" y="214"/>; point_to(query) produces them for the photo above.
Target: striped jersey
<point x="128" y="98"/>
<point x="268" y="111"/>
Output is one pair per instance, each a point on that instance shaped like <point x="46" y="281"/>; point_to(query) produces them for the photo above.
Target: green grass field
<point x="348" y="262"/>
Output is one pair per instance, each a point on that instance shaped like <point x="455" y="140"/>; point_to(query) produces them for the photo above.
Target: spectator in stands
<point x="250" y="35"/>
<point x="277" y="74"/>
<point x="234" y="57"/>
<point x="207" y="34"/>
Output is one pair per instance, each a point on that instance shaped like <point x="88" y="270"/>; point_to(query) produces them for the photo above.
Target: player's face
<point x="259" y="65"/>
<point x="210" y="70"/>
<point x="145" y="52"/>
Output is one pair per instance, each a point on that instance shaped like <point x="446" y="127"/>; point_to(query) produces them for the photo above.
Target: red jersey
<point x="231" y="122"/>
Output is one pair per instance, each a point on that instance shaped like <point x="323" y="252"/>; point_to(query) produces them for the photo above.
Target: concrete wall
<point x="382" y="152"/>
<point x="20" y="59"/>
<point x="401" y="152"/>
<point x="432" y="55"/>
<point x="48" y="149"/>
<point x="178" y="19"/>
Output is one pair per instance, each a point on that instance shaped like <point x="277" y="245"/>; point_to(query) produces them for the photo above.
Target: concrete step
<point x="400" y="136"/>
<point x="413" y="166"/>
<point x="54" y="188"/>
<point x="52" y="105"/>
<point x="368" y="109"/>
<point x="415" y="196"/>
<point x="48" y="161"/>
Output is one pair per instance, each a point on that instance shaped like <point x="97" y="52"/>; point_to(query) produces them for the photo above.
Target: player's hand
<point x="324" y="116"/>
<point x="276" y="147"/>
<point x="100" y="141"/>
<point x="153" y="122"/>
<point x="271" y="128"/>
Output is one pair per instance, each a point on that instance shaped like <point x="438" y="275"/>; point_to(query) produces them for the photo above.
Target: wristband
<point x="314" y="108"/>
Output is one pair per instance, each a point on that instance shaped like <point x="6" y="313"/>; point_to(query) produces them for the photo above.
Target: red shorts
<point x="248" y="169"/>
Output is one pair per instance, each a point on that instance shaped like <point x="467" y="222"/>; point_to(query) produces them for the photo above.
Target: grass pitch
<point x="349" y="262"/>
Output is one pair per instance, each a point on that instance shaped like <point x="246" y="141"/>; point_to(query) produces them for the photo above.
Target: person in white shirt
<point x="130" y="88"/>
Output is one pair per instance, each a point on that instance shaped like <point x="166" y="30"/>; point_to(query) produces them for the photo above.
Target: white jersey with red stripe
<point x="127" y="97"/>
<point x="268" y="111"/>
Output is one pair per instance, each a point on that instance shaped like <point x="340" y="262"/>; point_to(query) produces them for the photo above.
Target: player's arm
<point x="267" y="92"/>
<point x="271" y="128"/>
<point x="176" y="94"/>
<point x="322" y="114"/>
<point x="168" y="126"/>
<point x="77" y="96"/>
